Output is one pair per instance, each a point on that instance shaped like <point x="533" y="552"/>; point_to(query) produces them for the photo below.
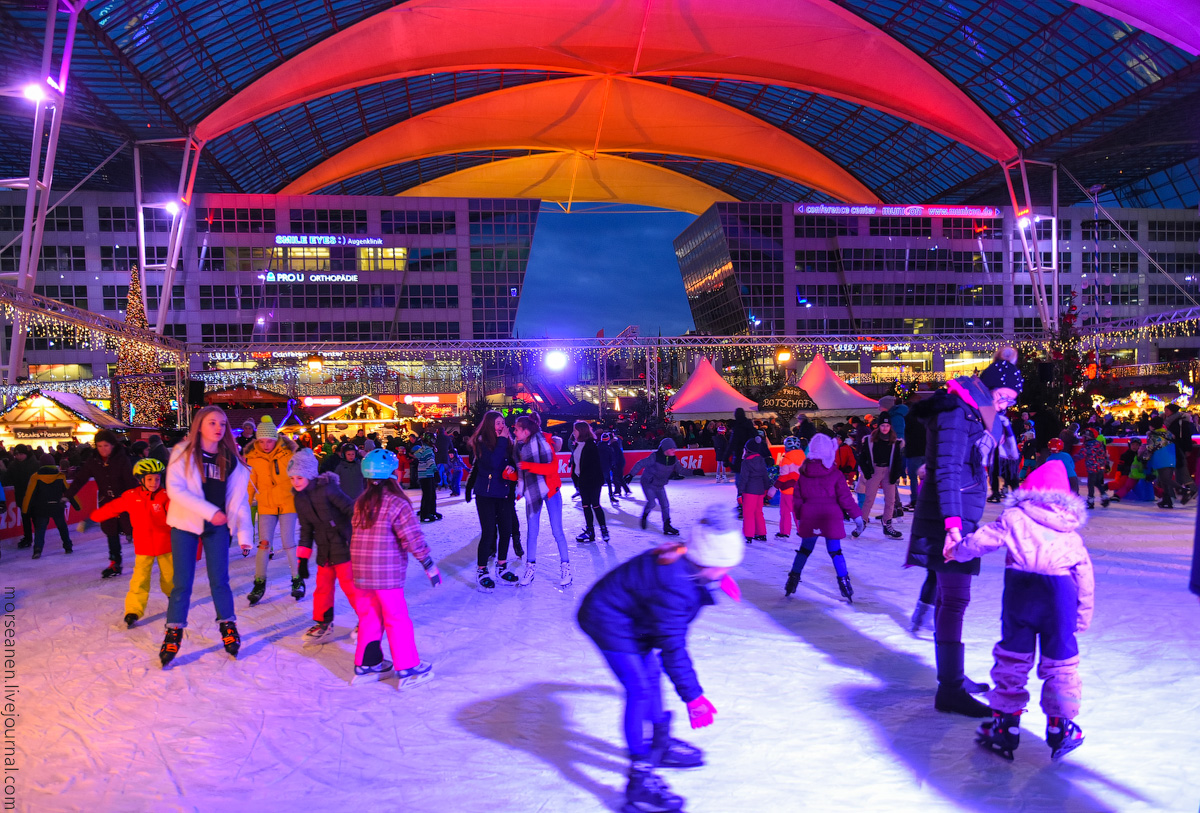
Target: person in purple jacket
<point x="638" y="616"/>
<point x="820" y="497"/>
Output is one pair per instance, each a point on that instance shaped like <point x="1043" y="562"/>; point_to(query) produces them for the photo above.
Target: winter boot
<point x="1063" y="736"/>
<point x="668" y="529"/>
<point x="130" y="620"/>
<point x="793" y="581"/>
<point x="230" y="638"/>
<point x="647" y="793"/>
<point x="170" y="645"/>
<point x="256" y="593"/>
<point x="484" y="579"/>
<point x="505" y="576"/>
<point x="889" y="531"/>
<point x="846" y="588"/>
<point x="527" y="576"/>
<point x="415" y="676"/>
<point x="113" y="569"/>
<point x="922" y="617"/>
<point x="298" y="588"/>
<point x="645" y="516"/>
<point x="951" y="695"/>
<point x="318" y="633"/>
<point x="565" y="580"/>
<point x="668" y="752"/>
<point x="1001" y="734"/>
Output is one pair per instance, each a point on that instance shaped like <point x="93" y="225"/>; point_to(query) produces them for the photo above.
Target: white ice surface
<point x="822" y="706"/>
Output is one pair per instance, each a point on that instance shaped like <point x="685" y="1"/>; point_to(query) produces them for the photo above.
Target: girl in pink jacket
<point x="1048" y="597"/>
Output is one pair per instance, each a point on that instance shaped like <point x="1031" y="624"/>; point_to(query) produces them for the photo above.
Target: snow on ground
<point x="822" y="706"/>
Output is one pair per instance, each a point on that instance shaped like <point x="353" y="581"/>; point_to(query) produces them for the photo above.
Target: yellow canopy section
<point x="567" y="177"/>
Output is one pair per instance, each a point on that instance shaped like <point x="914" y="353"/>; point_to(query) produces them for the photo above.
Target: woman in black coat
<point x="588" y="474"/>
<point x="958" y="439"/>
<point x="112" y="470"/>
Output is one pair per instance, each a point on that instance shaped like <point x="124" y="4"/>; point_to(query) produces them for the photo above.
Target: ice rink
<point x="822" y="706"/>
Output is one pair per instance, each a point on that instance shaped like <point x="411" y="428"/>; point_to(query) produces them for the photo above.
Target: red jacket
<point x="148" y="515"/>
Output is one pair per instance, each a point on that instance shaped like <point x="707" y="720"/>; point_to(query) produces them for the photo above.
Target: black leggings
<point x="588" y="510"/>
<point x="495" y="519"/>
<point x="428" y="497"/>
<point x="929" y="588"/>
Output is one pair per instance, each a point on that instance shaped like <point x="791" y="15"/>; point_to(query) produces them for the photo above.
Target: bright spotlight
<point x="173" y="208"/>
<point x="35" y="92"/>
<point x="556" y="360"/>
<point x="783" y="355"/>
<point x="1023" y="223"/>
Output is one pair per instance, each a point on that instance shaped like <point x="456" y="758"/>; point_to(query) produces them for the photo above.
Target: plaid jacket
<point x="379" y="554"/>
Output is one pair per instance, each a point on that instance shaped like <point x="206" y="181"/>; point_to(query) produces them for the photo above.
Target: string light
<point x="146" y="401"/>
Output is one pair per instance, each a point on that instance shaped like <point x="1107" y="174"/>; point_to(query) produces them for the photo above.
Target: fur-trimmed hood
<point x="1059" y="510"/>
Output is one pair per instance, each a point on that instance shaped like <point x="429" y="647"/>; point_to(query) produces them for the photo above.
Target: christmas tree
<point x="146" y="401"/>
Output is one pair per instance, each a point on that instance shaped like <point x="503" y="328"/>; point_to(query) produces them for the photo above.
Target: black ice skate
<point x="645" y="516"/>
<point x="130" y="620"/>
<point x="669" y="529"/>
<point x="170" y="645"/>
<point x="846" y="588"/>
<point x="484" y="580"/>
<point x="604" y="532"/>
<point x="647" y="793"/>
<point x="793" y="581"/>
<point x="586" y="536"/>
<point x="230" y="638"/>
<point x="506" y="576"/>
<point x="113" y="569"/>
<point x="668" y="752"/>
<point x="1063" y="736"/>
<point x="298" y="588"/>
<point x="256" y="593"/>
<point x="889" y="531"/>
<point x="1001" y="734"/>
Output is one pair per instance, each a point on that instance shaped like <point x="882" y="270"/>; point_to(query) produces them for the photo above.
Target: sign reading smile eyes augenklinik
<point x="326" y="240"/>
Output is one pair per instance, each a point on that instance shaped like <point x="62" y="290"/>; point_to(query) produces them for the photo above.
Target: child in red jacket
<point x="147" y="509"/>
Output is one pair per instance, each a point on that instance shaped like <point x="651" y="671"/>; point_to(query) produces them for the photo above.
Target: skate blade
<point x="995" y="749"/>
<point x="1064" y="749"/>
<point x="371" y="677"/>
<point x="417" y="680"/>
<point x="633" y="807"/>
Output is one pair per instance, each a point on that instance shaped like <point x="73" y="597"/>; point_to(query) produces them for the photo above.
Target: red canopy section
<point x="706" y="395"/>
<point x="830" y="392"/>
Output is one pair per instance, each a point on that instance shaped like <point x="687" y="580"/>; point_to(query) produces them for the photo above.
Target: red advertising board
<point x="10" y="521"/>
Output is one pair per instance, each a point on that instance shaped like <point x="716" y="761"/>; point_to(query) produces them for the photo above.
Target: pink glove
<point x="303" y="552"/>
<point x="700" y="712"/>
<point x="730" y="588"/>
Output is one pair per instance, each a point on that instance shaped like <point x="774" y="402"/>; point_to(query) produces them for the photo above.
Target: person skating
<point x="618" y="466"/>
<point x="539" y="483"/>
<point x="455" y="468"/>
<point x="588" y="473"/>
<point x="1058" y="452"/>
<point x="1097" y="462"/>
<point x="112" y="470"/>
<point x="656" y="470"/>
<point x="323" y="512"/>
<point x="44" y="497"/>
<point x="880" y="458"/>
<point x="385" y="530"/>
<point x="491" y="472"/>
<point x="147" y="507"/>
<point x="271" y="490"/>
<point x="208" y="486"/>
<point x="958" y="423"/>
<point x="721" y="452"/>
<point x="753" y="484"/>
<point x="1048" y="597"/>
<point x="25" y="464"/>
<point x="604" y="450"/>
<point x="790" y="461"/>
<point x="638" y="615"/>
<point x="821" y="498"/>
<point x="346" y="463"/>
<point x="427" y="472"/>
<point x="1161" y="452"/>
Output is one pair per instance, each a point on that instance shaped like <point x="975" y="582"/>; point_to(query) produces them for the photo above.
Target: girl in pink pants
<point x="753" y="482"/>
<point x="385" y="532"/>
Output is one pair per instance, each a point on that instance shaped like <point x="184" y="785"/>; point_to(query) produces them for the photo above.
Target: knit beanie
<point x="716" y="540"/>
<point x="266" y="429"/>
<point x="1001" y="373"/>
<point x="823" y="449"/>
<point x="303" y="464"/>
<point x="887" y="402"/>
<point x="666" y="446"/>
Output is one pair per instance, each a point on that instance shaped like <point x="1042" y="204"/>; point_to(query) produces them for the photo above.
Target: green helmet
<point x="148" y="466"/>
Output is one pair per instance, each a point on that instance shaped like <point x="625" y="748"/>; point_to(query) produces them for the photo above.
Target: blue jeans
<point x="553" y="506"/>
<point x="641" y="675"/>
<point x="215" y="540"/>
<point x="455" y="482"/>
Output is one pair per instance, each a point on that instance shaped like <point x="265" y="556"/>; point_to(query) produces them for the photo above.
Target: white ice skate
<point x="527" y="576"/>
<point x="566" y="575"/>
<point x="318" y="633"/>
<point x="414" y="677"/>
<point x="370" y="674"/>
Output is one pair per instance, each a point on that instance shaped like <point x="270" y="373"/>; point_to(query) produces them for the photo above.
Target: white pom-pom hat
<point x="716" y="540"/>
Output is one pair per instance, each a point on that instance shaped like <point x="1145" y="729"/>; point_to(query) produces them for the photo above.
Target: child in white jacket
<point x="1048" y="597"/>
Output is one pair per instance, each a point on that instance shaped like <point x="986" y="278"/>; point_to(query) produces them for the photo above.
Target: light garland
<point x="147" y="401"/>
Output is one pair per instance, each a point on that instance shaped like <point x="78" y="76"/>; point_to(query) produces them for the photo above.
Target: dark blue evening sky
<point x="591" y="270"/>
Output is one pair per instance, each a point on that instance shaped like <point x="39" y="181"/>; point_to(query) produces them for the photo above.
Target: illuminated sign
<point x="440" y="398"/>
<point x="322" y="400"/>
<point x="895" y="210"/>
<point x="326" y="240"/>
<point x="272" y="276"/>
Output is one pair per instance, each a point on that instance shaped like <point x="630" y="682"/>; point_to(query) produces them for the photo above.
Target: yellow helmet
<point x="148" y="466"/>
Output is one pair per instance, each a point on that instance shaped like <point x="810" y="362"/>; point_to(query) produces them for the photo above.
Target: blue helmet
<point x="379" y="464"/>
<point x="791" y="443"/>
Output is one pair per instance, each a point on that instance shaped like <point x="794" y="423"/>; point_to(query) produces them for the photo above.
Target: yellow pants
<point x="139" y="585"/>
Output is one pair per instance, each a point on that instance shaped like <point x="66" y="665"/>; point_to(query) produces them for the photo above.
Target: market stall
<point x="364" y="412"/>
<point x="46" y="418"/>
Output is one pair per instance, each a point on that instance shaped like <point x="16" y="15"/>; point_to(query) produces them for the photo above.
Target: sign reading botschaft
<point x="895" y="210"/>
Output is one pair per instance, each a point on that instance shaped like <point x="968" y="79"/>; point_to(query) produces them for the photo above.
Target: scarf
<point x="530" y="485"/>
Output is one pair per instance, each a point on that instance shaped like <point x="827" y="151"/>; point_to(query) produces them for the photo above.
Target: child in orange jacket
<point x="790" y="460"/>
<point x="147" y="509"/>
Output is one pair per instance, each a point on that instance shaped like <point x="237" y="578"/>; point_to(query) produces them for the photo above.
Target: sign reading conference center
<point x="894" y="210"/>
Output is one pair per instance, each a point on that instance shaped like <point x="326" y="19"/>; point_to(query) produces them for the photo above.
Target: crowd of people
<point x="342" y="504"/>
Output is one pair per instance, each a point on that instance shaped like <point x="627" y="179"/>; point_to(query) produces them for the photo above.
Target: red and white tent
<point x="706" y="395"/>
<point x="831" y="393"/>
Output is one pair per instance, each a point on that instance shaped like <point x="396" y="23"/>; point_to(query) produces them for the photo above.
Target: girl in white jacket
<point x="207" y="483"/>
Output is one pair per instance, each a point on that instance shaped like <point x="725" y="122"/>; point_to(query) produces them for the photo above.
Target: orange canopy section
<point x="830" y="392"/>
<point x="1173" y="21"/>
<point x="590" y="115"/>
<point x="706" y="395"/>
<point x="813" y="45"/>
<point x="568" y="177"/>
